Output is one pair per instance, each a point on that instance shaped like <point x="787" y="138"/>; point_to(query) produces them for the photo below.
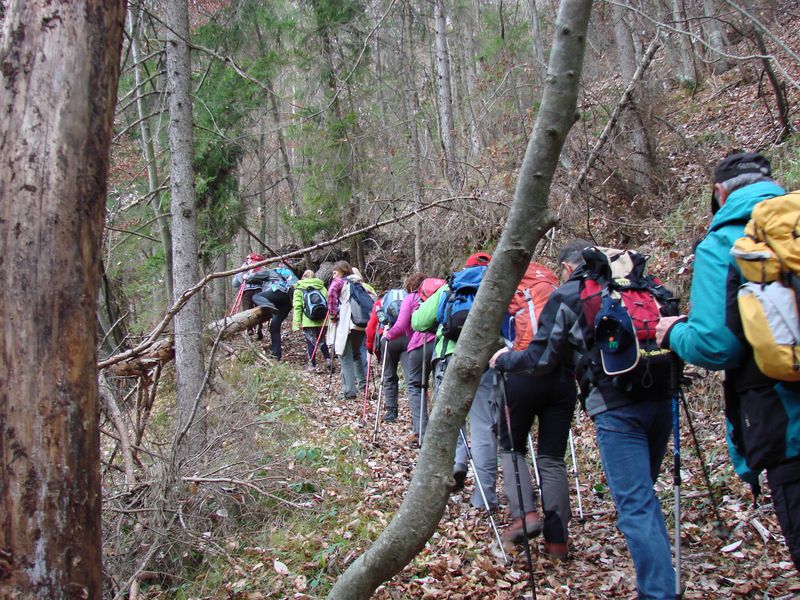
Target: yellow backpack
<point x="769" y="258"/>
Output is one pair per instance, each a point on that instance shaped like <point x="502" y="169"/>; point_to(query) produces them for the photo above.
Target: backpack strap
<point x="531" y="310"/>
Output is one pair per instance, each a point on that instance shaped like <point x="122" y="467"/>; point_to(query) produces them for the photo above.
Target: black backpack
<point x="315" y="307"/>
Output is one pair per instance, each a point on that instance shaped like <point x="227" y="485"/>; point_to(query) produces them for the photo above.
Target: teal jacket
<point x="709" y="337"/>
<point x="706" y="339"/>
<point x="299" y="318"/>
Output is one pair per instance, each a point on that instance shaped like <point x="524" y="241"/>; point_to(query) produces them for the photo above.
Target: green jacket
<point x="424" y="319"/>
<point x="299" y="318"/>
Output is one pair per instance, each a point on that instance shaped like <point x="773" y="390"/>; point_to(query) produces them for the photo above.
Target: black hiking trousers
<point x="784" y="485"/>
<point x="284" y="305"/>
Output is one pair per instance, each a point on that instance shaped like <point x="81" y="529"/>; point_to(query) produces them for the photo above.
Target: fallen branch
<point x="187" y="294"/>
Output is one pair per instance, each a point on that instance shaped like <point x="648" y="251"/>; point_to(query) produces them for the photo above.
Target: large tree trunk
<point x="639" y="148"/>
<point x="189" y="365"/>
<point x="411" y="110"/>
<point x="60" y="72"/>
<point x="444" y="89"/>
<point x="528" y="220"/>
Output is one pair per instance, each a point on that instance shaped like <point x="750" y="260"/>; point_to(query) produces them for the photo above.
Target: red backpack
<point x="622" y="272"/>
<point x="530" y="297"/>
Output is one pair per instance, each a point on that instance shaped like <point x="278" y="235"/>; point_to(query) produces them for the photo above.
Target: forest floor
<point x="345" y="488"/>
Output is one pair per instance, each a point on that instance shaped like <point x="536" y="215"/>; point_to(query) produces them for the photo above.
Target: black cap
<point x="737" y="164"/>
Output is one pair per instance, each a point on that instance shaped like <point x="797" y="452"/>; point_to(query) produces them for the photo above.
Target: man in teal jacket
<point x="763" y="414"/>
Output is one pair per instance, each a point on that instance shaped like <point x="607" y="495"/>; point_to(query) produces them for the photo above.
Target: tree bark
<point x="444" y="89"/>
<point x="60" y="67"/>
<point x="528" y="220"/>
<point x="188" y="324"/>
<point x="411" y="110"/>
<point x="640" y="158"/>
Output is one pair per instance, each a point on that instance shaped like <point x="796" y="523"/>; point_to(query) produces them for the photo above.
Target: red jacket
<point x="372" y="326"/>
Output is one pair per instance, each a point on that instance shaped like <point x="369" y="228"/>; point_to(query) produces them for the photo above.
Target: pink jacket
<point x="402" y="327"/>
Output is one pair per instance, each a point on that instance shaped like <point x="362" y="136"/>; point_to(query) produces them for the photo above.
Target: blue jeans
<point x="632" y="441"/>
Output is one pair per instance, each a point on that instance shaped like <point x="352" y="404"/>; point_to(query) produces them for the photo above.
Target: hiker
<point x="310" y="314"/>
<point x="391" y="353"/>
<point x="419" y="348"/>
<point x="482" y="413"/>
<point x="252" y="286"/>
<point x="763" y="414"/>
<point x="633" y="421"/>
<point x="276" y="293"/>
<point x="550" y="399"/>
<point x="344" y="334"/>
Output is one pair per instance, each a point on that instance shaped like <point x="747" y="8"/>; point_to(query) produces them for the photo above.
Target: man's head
<point x="571" y="257"/>
<point x="736" y="171"/>
<point x="479" y="259"/>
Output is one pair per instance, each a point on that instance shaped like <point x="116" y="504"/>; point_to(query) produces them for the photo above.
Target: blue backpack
<point x="456" y="302"/>
<point x="277" y="280"/>
<point x="390" y="306"/>
<point x="315" y="307"/>
<point x="361" y="303"/>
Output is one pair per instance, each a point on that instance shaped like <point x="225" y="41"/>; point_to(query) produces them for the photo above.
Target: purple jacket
<point x="402" y="327"/>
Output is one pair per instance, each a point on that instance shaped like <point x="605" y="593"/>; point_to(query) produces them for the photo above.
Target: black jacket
<point x="565" y="339"/>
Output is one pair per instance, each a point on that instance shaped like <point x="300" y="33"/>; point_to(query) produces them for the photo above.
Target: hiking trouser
<point x="784" y="485"/>
<point x="482" y="439"/>
<point x="312" y="335"/>
<point x="550" y="398"/>
<point x="396" y="356"/>
<point x="419" y="360"/>
<point x="352" y="369"/>
<point x="632" y="441"/>
<point x="283" y="304"/>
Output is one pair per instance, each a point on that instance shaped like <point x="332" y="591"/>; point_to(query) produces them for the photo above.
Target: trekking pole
<point x="423" y="388"/>
<point x="319" y="337"/>
<point x="721" y="531"/>
<point x="533" y="462"/>
<point x="380" y="390"/>
<point x="483" y="496"/>
<point x="676" y="482"/>
<point x="366" y="386"/>
<point x="575" y="475"/>
<point x="237" y="302"/>
<point x="500" y="382"/>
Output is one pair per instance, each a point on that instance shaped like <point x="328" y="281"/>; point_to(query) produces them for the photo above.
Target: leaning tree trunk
<point x="189" y="369"/>
<point x="528" y="220"/>
<point x="60" y="72"/>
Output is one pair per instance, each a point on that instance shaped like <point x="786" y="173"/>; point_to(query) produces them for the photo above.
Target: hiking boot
<point x="390" y="416"/>
<point x="515" y="535"/>
<point x="312" y="369"/>
<point x="556" y="550"/>
<point x="459" y="475"/>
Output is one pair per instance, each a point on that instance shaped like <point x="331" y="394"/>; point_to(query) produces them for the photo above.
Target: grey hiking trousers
<point x="482" y="419"/>
<point x="396" y="356"/>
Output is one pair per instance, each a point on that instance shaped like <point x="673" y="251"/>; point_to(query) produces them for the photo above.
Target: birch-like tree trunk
<point x="445" y="95"/>
<point x="528" y="220"/>
<point x="189" y="365"/>
<point x="148" y="149"/>
<point x="59" y="85"/>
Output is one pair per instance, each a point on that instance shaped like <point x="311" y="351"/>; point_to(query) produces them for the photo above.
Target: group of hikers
<point x="606" y="333"/>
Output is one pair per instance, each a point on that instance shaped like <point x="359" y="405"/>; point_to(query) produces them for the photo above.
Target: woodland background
<point x="227" y="475"/>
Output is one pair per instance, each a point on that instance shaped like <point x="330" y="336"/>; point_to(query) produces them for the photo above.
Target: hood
<point x="739" y="205"/>
<point x="310" y="283"/>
